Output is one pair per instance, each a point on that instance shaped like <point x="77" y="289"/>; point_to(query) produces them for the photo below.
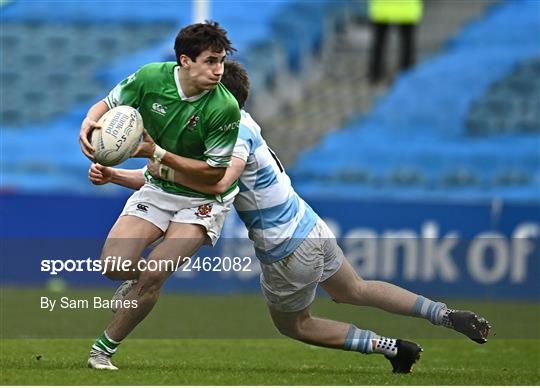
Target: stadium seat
<point x="445" y="131"/>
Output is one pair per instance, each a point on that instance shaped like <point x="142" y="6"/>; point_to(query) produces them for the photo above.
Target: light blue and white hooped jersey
<point x="277" y="219"/>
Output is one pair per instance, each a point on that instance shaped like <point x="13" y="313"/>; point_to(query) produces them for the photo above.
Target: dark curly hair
<point x="192" y="40"/>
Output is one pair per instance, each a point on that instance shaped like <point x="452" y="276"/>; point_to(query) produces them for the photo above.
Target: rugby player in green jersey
<point x="189" y="117"/>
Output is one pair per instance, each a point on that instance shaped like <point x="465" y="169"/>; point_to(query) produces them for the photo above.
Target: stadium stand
<point x="510" y="105"/>
<point x="57" y="50"/>
<point x="339" y="74"/>
<point x="438" y="134"/>
<point x="60" y="59"/>
<point x="106" y="46"/>
<point x="291" y="49"/>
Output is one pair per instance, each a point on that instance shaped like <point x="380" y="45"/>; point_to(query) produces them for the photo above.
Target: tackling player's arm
<point x="100" y="175"/>
<point x="134" y="179"/>
<point x="231" y="175"/>
<point x="198" y="169"/>
<point x="88" y="125"/>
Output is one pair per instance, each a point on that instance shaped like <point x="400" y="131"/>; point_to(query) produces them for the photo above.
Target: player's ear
<point x="185" y="61"/>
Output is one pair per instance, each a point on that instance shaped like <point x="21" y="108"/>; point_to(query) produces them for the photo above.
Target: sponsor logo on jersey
<point x="203" y="211"/>
<point x="192" y="122"/>
<point x="228" y="127"/>
<point x="158" y="108"/>
<point x="143" y="208"/>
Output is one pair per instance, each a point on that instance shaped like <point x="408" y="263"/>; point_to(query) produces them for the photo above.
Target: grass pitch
<point x="264" y="362"/>
<point x="230" y="340"/>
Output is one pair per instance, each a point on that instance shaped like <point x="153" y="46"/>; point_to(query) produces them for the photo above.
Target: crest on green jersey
<point x="192" y="122"/>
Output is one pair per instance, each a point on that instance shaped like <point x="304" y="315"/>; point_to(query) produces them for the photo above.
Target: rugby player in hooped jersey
<point x="297" y="251"/>
<point x="194" y="121"/>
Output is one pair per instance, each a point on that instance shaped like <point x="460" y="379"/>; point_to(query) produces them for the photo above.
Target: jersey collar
<point x="181" y="92"/>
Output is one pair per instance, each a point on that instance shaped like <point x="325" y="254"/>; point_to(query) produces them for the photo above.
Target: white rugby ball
<point x="120" y="134"/>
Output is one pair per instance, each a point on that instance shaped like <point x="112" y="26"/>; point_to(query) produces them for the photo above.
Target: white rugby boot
<point x="99" y="360"/>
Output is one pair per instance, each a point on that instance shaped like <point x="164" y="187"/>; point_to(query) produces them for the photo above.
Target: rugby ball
<point x="120" y="134"/>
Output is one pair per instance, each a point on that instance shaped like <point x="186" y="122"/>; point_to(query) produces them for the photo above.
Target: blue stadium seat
<point x="446" y="126"/>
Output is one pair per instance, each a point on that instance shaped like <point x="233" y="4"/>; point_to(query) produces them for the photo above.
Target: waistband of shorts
<point x="226" y="196"/>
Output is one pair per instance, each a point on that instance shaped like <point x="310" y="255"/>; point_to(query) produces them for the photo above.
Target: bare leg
<point x="345" y="286"/>
<point x="338" y="335"/>
<point x="127" y="240"/>
<point x="181" y="240"/>
<point x="301" y="326"/>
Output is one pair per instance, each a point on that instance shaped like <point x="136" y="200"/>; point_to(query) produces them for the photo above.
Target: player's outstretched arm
<point x="197" y="169"/>
<point x="232" y="174"/>
<point x="88" y="125"/>
<point x="101" y="175"/>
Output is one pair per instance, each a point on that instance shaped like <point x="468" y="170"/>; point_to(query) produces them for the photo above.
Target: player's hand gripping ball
<point x="120" y="134"/>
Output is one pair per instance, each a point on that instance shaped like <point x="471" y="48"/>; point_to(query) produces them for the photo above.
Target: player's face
<point x="206" y="71"/>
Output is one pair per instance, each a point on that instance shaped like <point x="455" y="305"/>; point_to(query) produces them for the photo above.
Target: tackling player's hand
<point x="146" y="148"/>
<point x="153" y="168"/>
<point x="100" y="175"/>
<point x="87" y="126"/>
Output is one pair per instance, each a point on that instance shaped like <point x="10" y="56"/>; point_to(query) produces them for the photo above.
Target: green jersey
<point x="202" y="127"/>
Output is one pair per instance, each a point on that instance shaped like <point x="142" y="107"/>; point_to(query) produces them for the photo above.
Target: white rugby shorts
<point x="290" y="284"/>
<point x="161" y="208"/>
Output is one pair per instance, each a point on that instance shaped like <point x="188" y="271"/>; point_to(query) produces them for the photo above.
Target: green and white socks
<point x="105" y="344"/>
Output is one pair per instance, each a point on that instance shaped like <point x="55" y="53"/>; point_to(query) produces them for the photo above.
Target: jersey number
<point x="280" y="166"/>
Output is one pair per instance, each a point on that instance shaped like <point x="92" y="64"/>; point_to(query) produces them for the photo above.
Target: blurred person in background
<point x="297" y="251"/>
<point x="383" y="14"/>
<point x="189" y="113"/>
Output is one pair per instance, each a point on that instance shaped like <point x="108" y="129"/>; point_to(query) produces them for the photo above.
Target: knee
<point x="150" y="282"/>
<point x="107" y="267"/>
<point x="119" y="259"/>
<point x="109" y="260"/>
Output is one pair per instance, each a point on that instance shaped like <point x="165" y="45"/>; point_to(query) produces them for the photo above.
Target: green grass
<point x="230" y="340"/>
<point x="264" y="362"/>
